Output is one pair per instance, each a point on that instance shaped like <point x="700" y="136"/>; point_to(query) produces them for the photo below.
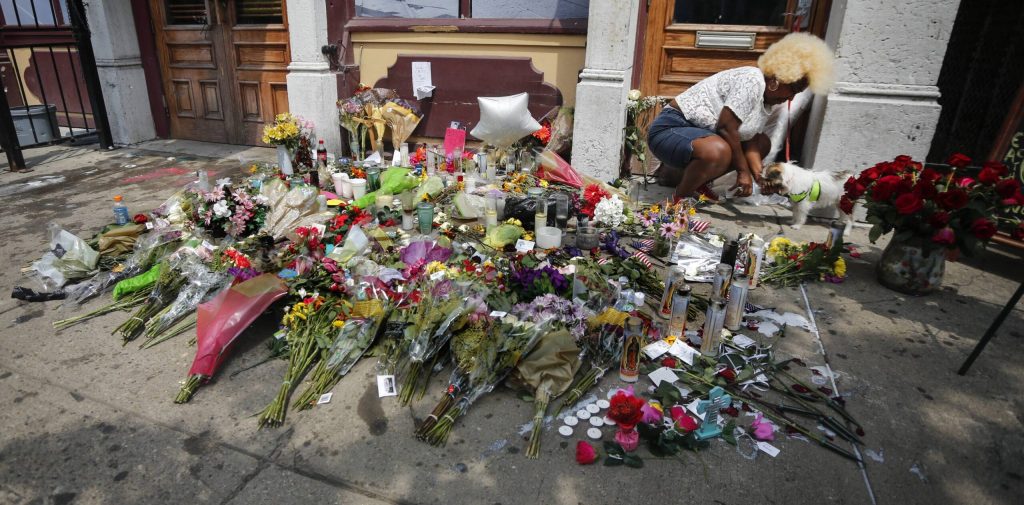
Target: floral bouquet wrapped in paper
<point x="485" y="353"/>
<point x="402" y="117"/>
<point x="291" y="208"/>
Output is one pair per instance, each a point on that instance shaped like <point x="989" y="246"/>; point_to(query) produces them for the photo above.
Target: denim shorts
<point x="671" y="137"/>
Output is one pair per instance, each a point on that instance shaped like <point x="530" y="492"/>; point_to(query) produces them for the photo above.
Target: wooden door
<point x="688" y="40"/>
<point x="223" y="64"/>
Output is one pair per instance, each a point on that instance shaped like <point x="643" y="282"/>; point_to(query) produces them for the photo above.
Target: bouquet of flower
<point x="601" y="350"/>
<point x="199" y="281"/>
<point x="791" y="263"/>
<point x="547" y="371"/>
<point x="402" y="117"/>
<point x="485" y="353"/>
<point x="227" y="210"/>
<point x="639" y="114"/>
<point x="307" y="324"/>
<point x="529" y="283"/>
<point x="350" y="111"/>
<point x="568" y="314"/>
<point x="286" y="130"/>
<point x="951" y="211"/>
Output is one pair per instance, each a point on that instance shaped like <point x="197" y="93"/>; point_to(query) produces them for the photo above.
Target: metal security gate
<point x="50" y="87"/>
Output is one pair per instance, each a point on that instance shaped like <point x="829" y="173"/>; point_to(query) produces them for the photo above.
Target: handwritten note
<point x="422" y="83"/>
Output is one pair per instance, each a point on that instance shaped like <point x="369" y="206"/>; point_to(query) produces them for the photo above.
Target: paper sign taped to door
<point x="422" y="82"/>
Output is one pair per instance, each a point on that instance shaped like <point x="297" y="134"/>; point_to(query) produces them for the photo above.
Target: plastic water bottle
<point x="121" y="216"/>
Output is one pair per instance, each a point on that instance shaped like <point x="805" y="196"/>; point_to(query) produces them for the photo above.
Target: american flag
<point x="642" y="258"/>
<point x="644" y="245"/>
<point x="698" y="226"/>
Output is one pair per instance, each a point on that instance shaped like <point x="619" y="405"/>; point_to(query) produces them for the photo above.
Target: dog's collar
<point x="813" y="194"/>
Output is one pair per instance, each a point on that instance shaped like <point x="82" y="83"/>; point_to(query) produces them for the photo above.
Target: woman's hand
<point x="744" y="184"/>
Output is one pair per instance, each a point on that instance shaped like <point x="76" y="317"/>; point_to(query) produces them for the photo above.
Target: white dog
<point x="807" y="189"/>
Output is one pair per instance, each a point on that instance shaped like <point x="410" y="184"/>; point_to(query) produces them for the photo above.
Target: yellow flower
<point x="779" y="246"/>
<point x="528" y="236"/>
<point x="692" y="211"/>
<point x="253" y="168"/>
<point x="337" y="323"/>
<point x="435" y="266"/>
<point x="514" y="221"/>
<point x="543" y="183"/>
<point x="655" y="209"/>
<point x="839" y="268"/>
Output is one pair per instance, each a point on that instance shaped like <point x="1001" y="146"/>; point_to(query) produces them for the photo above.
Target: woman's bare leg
<point x="711" y="158"/>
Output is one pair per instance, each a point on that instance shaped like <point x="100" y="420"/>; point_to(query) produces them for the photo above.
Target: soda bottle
<point x="321" y="154"/>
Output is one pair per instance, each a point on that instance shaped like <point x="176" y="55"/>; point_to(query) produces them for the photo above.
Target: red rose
<point x="728" y="374"/>
<point x="929" y="175"/>
<point x="983" y="228"/>
<point x="908" y="203"/>
<point x="140" y="219"/>
<point x="884" y="188"/>
<point x="682" y="419"/>
<point x="730" y="410"/>
<point x="625" y="409"/>
<point x="1007" y="188"/>
<point x="945" y="237"/>
<point x="939" y="219"/>
<point x="952" y="199"/>
<point x="926" y="189"/>
<point x="999" y="167"/>
<point x="585" y="453"/>
<point x="959" y="160"/>
<point x="854" y="189"/>
<point x="1018" y="232"/>
<point x="988" y="175"/>
<point x="870" y="175"/>
<point x="670" y="362"/>
<point x="846" y="205"/>
<point x="903" y="160"/>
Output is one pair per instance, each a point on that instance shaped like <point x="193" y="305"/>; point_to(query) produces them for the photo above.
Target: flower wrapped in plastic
<point x="601" y="348"/>
<point x="220" y="321"/>
<point x="402" y="117"/>
<point x="485" y="353"/>
<point x="551" y="167"/>
<point x="199" y="282"/>
<point x="291" y="208"/>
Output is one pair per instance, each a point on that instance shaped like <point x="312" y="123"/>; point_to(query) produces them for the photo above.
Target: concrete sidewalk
<point x="86" y="420"/>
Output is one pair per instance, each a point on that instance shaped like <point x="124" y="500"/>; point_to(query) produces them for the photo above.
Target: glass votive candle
<point x="372" y="179"/>
<point x="425" y="215"/>
<point x="587" y="237"/>
<point x="491" y="211"/>
<point x="404" y="150"/>
<point x="548" y="237"/>
<point x="383" y="200"/>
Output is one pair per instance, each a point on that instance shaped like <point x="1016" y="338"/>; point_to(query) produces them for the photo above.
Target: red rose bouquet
<point x="943" y="210"/>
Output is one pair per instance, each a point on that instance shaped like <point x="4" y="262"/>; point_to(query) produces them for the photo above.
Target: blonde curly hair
<point x="797" y="56"/>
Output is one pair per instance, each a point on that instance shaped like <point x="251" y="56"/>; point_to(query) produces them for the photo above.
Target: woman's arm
<point x="729" y="129"/>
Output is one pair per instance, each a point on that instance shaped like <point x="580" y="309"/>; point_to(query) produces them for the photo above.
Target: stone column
<point x="604" y="83"/>
<point x="885" y="101"/>
<point x="119" y="64"/>
<point x="312" y="86"/>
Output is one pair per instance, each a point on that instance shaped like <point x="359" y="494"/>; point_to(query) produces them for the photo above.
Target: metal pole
<point x="80" y="27"/>
<point x="992" y="329"/>
<point x="8" y="136"/>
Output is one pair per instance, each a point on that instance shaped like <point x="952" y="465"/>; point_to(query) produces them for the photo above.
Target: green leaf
<point x="614" y="460"/>
<point x="668" y="395"/>
<point x="875" y="233"/>
<point x="633" y="461"/>
<point x="729" y="432"/>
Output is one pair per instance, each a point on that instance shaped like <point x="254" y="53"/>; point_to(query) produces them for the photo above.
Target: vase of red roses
<point x="933" y="213"/>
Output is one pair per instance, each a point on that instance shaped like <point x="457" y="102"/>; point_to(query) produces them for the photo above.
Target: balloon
<point x="504" y="120"/>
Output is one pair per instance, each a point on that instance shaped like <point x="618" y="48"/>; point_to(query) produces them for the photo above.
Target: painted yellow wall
<point x="559" y="57"/>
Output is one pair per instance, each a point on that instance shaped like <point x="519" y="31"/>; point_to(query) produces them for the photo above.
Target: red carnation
<point x="626" y="410"/>
<point x="939" y="219"/>
<point x="585" y="453"/>
<point x="884" y="188"/>
<point x="908" y="203"/>
<point x="854" y="189"/>
<point x="959" y="160"/>
<point x="989" y="175"/>
<point x="1007" y="188"/>
<point x="983" y="228"/>
<point x="846" y="205"/>
<point x="952" y="199"/>
<point x="945" y="237"/>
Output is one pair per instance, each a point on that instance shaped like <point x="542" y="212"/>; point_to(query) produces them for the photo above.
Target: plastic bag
<point x="69" y="258"/>
<point x="522" y="208"/>
<point x="137" y="283"/>
<point x="200" y="282"/>
<point x="561" y="132"/>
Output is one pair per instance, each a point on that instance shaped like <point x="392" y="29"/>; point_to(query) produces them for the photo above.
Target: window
<point x="259" y="12"/>
<point x="479" y="9"/>
<point x="31" y="13"/>
<point x="732" y="12"/>
<point x="186" y="12"/>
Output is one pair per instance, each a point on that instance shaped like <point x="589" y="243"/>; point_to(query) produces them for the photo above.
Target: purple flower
<point x="242" y="274"/>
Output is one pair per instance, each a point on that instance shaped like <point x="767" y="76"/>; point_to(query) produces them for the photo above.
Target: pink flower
<point x="763" y="430"/>
<point x="585" y="453"/>
<point x="628" y="439"/>
<point x="652" y="415"/>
